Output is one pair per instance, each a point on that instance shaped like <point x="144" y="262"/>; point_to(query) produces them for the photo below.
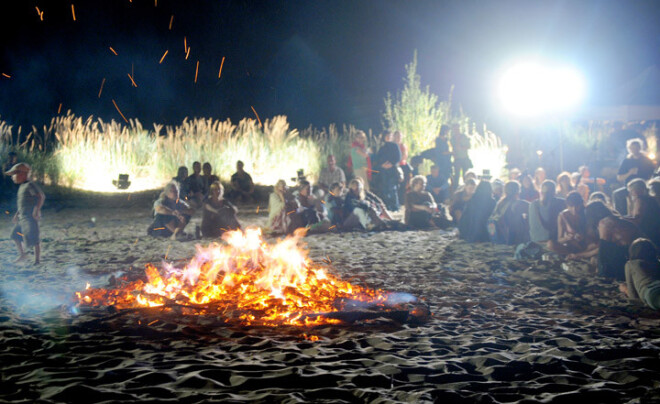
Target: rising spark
<point x="221" y="64"/>
<point x="101" y="89"/>
<point x="132" y="81"/>
<point x="171" y="21"/>
<point x="112" y="50"/>
<point x="73" y="12"/>
<point x="196" y="71"/>
<point x="255" y="112"/>
<point x="122" y="115"/>
<point x="163" y="57"/>
<point x="6" y="75"/>
<point x="59" y="109"/>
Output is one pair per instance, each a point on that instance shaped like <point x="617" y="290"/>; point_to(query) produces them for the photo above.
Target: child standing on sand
<point x="30" y="199"/>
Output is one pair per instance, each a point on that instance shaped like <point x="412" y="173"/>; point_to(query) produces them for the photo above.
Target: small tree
<point x="416" y="112"/>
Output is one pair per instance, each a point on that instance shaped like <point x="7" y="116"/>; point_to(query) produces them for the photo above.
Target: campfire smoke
<point x="247" y="281"/>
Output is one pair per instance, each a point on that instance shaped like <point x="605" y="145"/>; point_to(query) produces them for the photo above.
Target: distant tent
<point x="636" y="100"/>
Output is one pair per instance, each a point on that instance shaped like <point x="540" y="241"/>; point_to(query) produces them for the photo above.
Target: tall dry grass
<point x="89" y="153"/>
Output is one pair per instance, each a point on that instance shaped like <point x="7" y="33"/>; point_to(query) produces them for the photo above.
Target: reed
<point x="89" y="153"/>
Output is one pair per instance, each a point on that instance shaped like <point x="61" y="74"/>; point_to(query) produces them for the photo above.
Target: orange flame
<point x="244" y="279"/>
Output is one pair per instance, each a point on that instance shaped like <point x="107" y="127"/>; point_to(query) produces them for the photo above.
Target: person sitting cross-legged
<point x="643" y="274"/>
<point x="218" y="214"/>
<point x="172" y="214"/>
<point x="242" y="185"/>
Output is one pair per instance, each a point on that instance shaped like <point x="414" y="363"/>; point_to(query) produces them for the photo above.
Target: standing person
<point x="30" y="198"/>
<point x="406" y="169"/>
<point x="543" y="214"/>
<point x="440" y="154"/>
<point x="388" y="159"/>
<point x="180" y="179"/>
<point x="330" y="174"/>
<point x="635" y="165"/>
<point x="242" y="185"/>
<point x="359" y="160"/>
<point x="460" y="144"/>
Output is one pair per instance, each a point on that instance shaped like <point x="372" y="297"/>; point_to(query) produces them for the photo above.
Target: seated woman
<point x="543" y="214"/>
<point x="644" y="211"/>
<point x="473" y="224"/>
<point x="564" y="185"/>
<point x="528" y="191"/>
<point x="461" y="197"/>
<point x="508" y="223"/>
<point x="218" y="215"/>
<point x="172" y="214"/>
<point x="278" y="220"/>
<point x="643" y="274"/>
<point x="334" y="204"/>
<point x="615" y="237"/>
<point x="358" y="211"/>
<point x="421" y="209"/>
<point x="571" y="227"/>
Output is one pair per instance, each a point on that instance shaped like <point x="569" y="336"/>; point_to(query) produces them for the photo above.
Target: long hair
<point x="360" y="186"/>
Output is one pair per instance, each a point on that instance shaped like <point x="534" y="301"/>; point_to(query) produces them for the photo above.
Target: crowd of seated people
<point x="201" y="191"/>
<point x="576" y="217"/>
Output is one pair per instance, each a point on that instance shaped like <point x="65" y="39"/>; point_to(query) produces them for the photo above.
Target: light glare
<point x="531" y="89"/>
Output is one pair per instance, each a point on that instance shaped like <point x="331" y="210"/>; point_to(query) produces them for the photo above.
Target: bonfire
<point x="250" y="282"/>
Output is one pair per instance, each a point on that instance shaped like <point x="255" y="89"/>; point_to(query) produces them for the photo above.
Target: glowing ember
<point x="244" y="280"/>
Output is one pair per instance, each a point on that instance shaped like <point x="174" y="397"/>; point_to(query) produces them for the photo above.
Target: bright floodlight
<point x="532" y="89"/>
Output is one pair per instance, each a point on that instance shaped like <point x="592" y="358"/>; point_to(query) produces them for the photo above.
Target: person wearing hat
<point x="30" y="199"/>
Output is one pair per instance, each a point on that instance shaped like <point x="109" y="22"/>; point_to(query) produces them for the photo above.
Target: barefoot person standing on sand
<point x="30" y="199"/>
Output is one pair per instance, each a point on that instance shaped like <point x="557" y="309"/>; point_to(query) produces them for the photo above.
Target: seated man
<point x="208" y="178"/>
<point x="194" y="184"/>
<point x="437" y="185"/>
<point x="172" y="214"/>
<point x="242" y="185"/>
<point x="643" y="274"/>
<point x="331" y="174"/>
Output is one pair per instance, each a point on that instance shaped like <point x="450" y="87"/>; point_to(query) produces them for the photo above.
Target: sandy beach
<point x="502" y="330"/>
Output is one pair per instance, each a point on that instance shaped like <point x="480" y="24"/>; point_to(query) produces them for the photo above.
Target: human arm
<point x="562" y="233"/>
<point x="41" y="198"/>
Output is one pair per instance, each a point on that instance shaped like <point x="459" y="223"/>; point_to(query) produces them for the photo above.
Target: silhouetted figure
<point x="473" y="224"/>
<point x="242" y="185"/>
<point x="508" y="223"/>
<point x="635" y="165"/>
<point x="387" y="165"/>
<point x="208" y="178"/>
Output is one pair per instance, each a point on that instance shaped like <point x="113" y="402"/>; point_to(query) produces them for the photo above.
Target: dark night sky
<point x="317" y="62"/>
